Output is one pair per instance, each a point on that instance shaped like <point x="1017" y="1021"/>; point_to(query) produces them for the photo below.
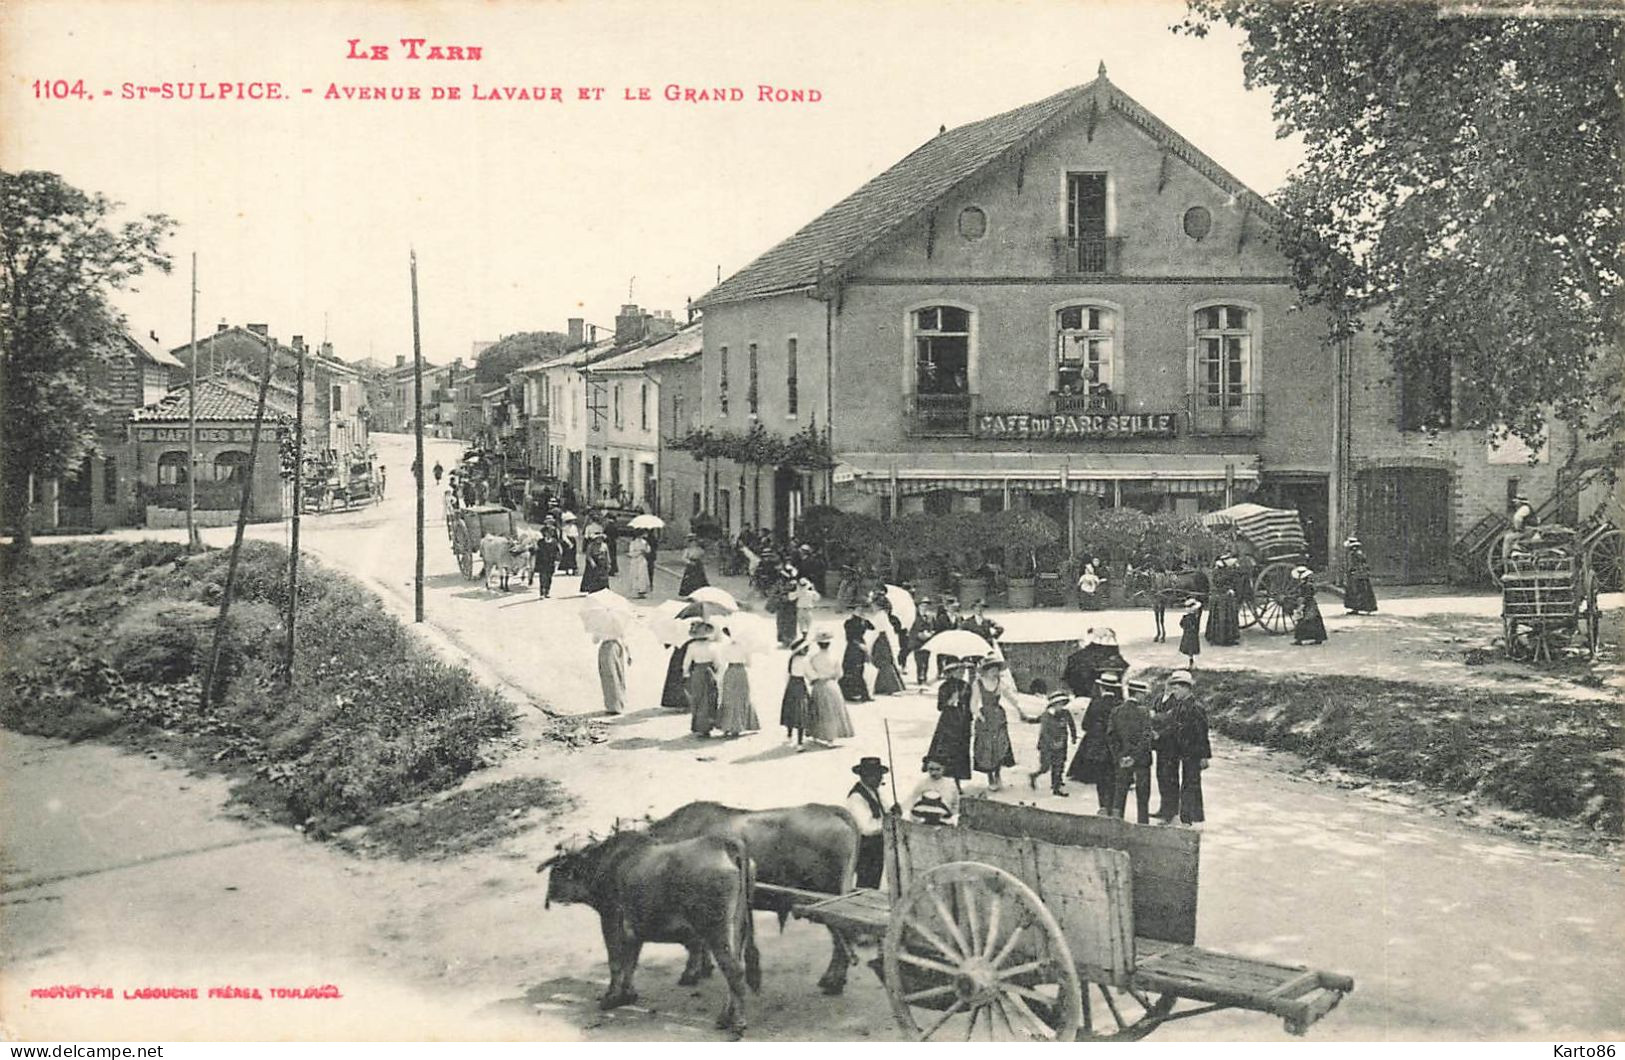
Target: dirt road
<point x="123" y="871"/>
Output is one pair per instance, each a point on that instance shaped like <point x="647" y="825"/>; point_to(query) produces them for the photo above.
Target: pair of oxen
<point x="690" y="878"/>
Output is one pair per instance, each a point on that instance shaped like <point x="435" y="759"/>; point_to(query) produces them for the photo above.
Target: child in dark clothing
<point x="1056" y="731"/>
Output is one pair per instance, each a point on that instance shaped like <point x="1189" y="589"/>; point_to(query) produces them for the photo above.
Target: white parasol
<point x="647" y="522"/>
<point x="710" y="594"/>
<point x="959" y="643"/>
<point x="602" y="624"/>
<point x="609" y="600"/>
<point x="902" y="604"/>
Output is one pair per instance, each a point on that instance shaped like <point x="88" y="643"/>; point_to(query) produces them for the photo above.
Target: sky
<point x="302" y="211"/>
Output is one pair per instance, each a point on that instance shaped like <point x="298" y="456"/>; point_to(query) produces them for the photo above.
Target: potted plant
<point x="1022" y="534"/>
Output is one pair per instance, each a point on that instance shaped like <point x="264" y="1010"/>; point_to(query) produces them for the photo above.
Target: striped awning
<point x="1275" y="532"/>
<point x="903" y="474"/>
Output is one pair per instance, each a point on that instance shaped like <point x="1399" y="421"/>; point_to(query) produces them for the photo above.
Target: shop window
<point x="172" y="468"/>
<point x="231" y="466"/>
<point x="941" y="350"/>
<point x="1085" y="350"/>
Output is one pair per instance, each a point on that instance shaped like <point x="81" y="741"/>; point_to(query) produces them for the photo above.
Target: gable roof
<point x="681" y="345"/>
<point x="847" y="232"/>
<point x="150" y="354"/>
<point x="574" y="359"/>
<point x="223" y="396"/>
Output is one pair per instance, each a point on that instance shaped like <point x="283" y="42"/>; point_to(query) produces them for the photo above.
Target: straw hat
<point x="824" y="636"/>
<point x="1059" y="699"/>
<point x="1301" y="573"/>
<point x="1181" y="677"/>
<point x="1106" y="636"/>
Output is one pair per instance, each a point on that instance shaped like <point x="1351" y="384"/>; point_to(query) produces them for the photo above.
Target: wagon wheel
<point x="1274" y="597"/>
<point x="465" y="554"/>
<point x="971" y="945"/>
<point x="1605" y="560"/>
<point x="1127" y="1014"/>
<point x="1246" y="611"/>
<point x="1495" y="561"/>
<point x="1589" y="618"/>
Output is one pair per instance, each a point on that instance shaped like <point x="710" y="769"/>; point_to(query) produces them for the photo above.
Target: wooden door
<point x="1404" y="520"/>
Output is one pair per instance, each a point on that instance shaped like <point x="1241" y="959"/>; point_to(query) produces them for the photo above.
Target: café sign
<point x="204" y="434"/>
<point x="1068" y="426"/>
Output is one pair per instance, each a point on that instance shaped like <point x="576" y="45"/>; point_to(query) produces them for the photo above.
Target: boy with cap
<point x="1056" y="731"/>
<point x="863" y="803"/>
<point x="1128" y="731"/>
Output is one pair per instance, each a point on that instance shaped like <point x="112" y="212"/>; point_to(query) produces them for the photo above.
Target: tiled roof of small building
<point x="686" y="342"/>
<point x="225" y="396"/>
<point x="841" y="235"/>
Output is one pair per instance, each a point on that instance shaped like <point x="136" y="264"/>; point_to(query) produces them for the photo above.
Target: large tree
<point x="516" y="351"/>
<point x="1461" y="186"/>
<point x="61" y="255"/>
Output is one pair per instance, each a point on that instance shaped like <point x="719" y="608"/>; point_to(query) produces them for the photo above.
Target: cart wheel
<point x="1246" y="612"/>
<point x="1495" y="562"/>
<point x="973" y="946"/>
<point x="1274" y="595"/>
<point x="1605" y="560"/>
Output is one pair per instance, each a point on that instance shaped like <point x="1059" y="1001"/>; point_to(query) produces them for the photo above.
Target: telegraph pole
<point x="298" y="506"/>
<point x="419" y="470"/>
<point x="193" y="542"/>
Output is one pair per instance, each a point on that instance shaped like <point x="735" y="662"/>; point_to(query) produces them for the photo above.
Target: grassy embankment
<point x="107" y="641"/>
<point x="1526" y="751"/>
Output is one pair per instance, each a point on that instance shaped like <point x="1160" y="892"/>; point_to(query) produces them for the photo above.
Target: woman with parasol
<point x="950" y="743"/>
<point x="888" y="643"/>
<point x="795" y="706"/>
<point x="736" y="713"/>
<point x="608" y="628"/>
<point x="991" y="750"/>
<point x="701" y="665"/>
<point x="693" y="567"/>
<point x="674" y="693"/>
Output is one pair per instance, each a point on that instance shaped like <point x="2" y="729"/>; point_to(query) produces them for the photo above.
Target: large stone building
<point x="641" y="469"/>
<point x="1062" y="307"/>
<point x="337" y="416"/>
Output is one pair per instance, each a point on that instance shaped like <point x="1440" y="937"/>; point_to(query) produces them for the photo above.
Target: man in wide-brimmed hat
<point x="1128" y="731"/>
<point x="863" y="802"/>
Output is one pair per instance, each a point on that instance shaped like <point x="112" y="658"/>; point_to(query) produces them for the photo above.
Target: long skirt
<point x="1358" y="594"/>
<point x="612" y="675"/>
<point x="640" y="577"/>
<point x="594" y="576"/>
<point x="693" y="578"/>
<point x="888" y="678"/>
<point x="950" y="744"/>
<point x="991" y="750"/>
<point x="1190" y="640"/>
<point x="702" y="693"/>
<point x="784" y="620"/>
<point x="793" y="707"/>
<point x="735" y="712"/>
<point x="1310" y="627"/>
<point x="1224" y="621"/>
<point x="829" y="721"/>
<point x="853" y="685"/>
<point x="674" y="693"/>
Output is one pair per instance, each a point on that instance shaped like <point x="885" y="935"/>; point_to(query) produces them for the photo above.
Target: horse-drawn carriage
<point x="1269" y="543"/>
<point x="1549" y="597"/>
<point x="1003" y="926"/>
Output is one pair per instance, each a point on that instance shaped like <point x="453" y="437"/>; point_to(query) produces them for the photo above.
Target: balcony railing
<point x="1087" y="257"/>
<point x="938" y="415"/>
<point x="1082" y="403"/>
<point x="1226" y="414"/>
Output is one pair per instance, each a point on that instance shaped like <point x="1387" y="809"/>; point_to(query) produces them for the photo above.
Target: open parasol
<point x="647" y="522"/>
<point x="710" y="594"/>
<point x="602" y="624"/>
<point x="608" y="600"/>
<point x="902" y="604"/>
<point x="959" y="643"/>
<point x="704" y="609"/>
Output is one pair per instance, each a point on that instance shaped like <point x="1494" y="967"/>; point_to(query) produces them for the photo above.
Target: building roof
<point x="222" y="396"/>
<point x="151" y="354"/>
<point x="495" y="392"/>
<point x="574" y="359"/>
<point x="842" y="236"/>
<point x="317" y="358"/>
<point x="681" y="345"/>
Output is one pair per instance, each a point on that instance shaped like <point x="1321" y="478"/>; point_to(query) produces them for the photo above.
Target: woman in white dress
<point x="637" y="554"/>
<point x="829" y="721"/>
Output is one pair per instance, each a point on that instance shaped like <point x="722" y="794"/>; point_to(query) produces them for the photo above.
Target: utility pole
<point x="193" y="542"/>
<point x="209" y="675"/>
<point x="419" y="470"/>
<point x="298" y="507"/>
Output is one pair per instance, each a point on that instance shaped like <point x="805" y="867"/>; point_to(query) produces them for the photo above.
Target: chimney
<point x="691" y="310"/>
<point x="630" y="325"/>
<point x="298" y="342"/>
<point x="578" y="331"/>
<point x="327" y="350"/>
<point x="218" y="328"/>
<point x="260" y="329"/>
<point x="400" y="360"/>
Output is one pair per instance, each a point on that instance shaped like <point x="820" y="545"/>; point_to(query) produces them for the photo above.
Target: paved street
<point x="1449" y="930"/>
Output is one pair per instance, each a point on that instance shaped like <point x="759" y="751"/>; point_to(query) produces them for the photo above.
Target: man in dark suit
<point x="1128" y="730"/>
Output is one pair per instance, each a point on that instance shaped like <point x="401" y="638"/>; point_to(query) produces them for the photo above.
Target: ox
<point x="506" y="556"/>
<point x="695" y="892"/>
<point x="810" y="847"/>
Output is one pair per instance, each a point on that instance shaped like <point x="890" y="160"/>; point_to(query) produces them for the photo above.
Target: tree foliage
<point x="1463" y="178"/>
<point x="516" y="351"/>
<point x="61" y="255"/>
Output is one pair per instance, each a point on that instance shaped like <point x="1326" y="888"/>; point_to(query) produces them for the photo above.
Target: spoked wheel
<point x="971" y="952"/>
<point x="1274" y="597"/>
<point x="1606" y="560"/>
<point x="1246" y="611"/>
<point x="1495" y="562"/>
<point x="1121" y="1014"/>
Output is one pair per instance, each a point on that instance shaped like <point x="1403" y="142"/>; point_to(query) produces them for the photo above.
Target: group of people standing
<point x="708" y="675"/>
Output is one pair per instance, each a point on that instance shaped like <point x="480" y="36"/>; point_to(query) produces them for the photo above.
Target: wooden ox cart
<point x="468" y="527"/>
<point x="1549" y="600"/>
<point x="1011" y="925"/>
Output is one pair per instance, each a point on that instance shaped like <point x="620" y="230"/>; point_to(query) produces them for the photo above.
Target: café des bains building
<point x="1064" y="307"/>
